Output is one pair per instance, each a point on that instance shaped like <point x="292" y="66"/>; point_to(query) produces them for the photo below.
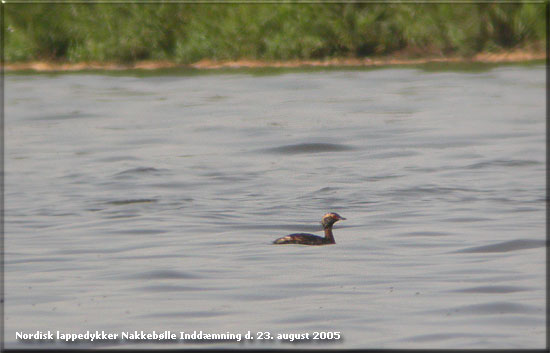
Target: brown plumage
<point x="309" y="239"/>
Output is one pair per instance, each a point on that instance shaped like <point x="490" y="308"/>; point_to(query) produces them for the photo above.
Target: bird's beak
<point x="342" y="218"/>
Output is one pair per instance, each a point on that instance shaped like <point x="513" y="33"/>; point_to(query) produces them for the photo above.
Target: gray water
<point x="150" y="203"/>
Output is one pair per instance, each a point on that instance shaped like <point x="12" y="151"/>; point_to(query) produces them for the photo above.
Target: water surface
<point x="150" y="203"/>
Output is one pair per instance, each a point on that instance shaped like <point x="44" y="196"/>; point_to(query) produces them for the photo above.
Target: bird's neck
<point x="328" y="235"/>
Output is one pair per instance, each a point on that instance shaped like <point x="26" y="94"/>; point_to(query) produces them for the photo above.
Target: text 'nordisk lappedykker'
<point x="91" y="336"/>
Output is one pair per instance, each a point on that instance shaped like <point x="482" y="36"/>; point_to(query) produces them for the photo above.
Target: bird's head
<point x="330" y="218"/>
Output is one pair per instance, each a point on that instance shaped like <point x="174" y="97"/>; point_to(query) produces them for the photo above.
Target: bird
<point x="327" y="222"/>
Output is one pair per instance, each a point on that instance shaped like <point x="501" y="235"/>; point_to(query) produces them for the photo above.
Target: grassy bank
<point x="189" y="33"/>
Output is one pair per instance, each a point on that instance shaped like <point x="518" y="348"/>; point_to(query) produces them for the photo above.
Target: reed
<point x="186" y="33"/>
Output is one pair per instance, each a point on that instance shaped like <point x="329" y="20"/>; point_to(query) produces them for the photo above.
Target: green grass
<point x="186" y="33"/>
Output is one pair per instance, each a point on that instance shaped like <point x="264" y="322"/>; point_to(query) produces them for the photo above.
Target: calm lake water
<point x="149" y="202"/>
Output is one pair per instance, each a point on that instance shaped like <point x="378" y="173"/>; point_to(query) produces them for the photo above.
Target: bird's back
<point x="301" y="238"/>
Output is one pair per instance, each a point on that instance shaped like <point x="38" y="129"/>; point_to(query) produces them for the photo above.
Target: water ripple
<point x="503" y="163"/>
<point x="130" y="201"/>
<point x="444" y="336"/>
<point x="423" y="233"/>
<point x="186" y="314"/>
<point x="309" y="148"/>
<point x="492" y="289"/>
<point x="430" y="189"/>
<point x="495" y="308"/>
<point x="512" y="245"/>
<point x="164" y="274"/>
<point x="138" y="171"/>
<point x="169" y="288"/>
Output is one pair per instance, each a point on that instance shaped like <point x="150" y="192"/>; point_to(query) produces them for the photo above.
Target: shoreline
<point x="208" y="64"/>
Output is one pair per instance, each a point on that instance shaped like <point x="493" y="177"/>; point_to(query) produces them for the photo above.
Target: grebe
<point x="309" y="239"/>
